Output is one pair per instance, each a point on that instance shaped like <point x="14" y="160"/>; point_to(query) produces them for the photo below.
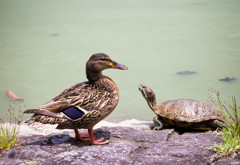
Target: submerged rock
<point x="186" y="72"/>
<point x="227" y="79"/>
<point x="131" y="142"/>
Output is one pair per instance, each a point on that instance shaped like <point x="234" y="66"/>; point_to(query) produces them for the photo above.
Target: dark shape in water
<point x="227" y="79"/>
<point x="186" y="72"/>
<point x="55" y="34"/>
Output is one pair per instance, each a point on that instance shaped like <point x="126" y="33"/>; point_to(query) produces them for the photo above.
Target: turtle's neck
<point x="152" y="105"/>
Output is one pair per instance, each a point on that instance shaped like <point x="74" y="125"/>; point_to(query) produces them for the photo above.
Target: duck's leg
<point x="81" y="137"/>
<point x="96" y="142"/>
<point x="89" y="138"/>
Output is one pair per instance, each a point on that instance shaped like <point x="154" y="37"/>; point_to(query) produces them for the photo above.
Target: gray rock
<point x="127" y="146"/>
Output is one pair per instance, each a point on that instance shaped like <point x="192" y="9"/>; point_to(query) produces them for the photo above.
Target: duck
<point x="83" y="105"/>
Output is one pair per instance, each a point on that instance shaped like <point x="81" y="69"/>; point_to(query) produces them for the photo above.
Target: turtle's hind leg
<point x="217" y="123"/>
<point x="158" y="123"/>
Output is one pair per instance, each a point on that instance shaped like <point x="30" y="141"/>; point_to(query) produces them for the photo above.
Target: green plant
<point x="231" y="131"/>
<point x="9" y="130"/>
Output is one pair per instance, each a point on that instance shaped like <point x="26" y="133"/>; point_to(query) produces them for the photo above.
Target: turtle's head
<point x="149" y="95"/>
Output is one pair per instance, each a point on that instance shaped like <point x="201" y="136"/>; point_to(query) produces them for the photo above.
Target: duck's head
<point x="149" y="95"/>
<point x="99" y="62"/>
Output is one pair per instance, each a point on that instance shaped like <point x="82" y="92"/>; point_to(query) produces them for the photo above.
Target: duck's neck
<point x="100" y="80"/>
<point x="93" y="76"/>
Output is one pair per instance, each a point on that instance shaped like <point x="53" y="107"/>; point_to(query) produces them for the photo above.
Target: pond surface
<point x="44" y="46"/>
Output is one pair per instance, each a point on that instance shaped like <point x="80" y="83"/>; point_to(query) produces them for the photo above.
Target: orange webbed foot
<point x="96" y="142"/>
<point x="89" y="138"/>
<point x="99" y="142"/>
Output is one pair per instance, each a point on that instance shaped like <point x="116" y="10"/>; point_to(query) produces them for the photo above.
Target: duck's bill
<point x="119" y="66"/>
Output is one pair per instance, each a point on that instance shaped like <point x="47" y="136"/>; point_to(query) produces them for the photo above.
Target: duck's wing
<point x="77" y="95"/>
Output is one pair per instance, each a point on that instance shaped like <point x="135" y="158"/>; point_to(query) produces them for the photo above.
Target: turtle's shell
<point x="187" y="110"/>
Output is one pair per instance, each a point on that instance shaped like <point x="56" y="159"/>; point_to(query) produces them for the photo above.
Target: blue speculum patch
<point x="74" y="113"/>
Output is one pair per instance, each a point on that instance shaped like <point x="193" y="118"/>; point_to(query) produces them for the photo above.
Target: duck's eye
<point x="108" y="60"/>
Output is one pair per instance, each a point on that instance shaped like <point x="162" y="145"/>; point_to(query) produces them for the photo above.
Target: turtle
<point x="182" y="113"/>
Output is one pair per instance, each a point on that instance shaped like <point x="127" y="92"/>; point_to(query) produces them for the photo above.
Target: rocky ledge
<point x="131" y="142"/>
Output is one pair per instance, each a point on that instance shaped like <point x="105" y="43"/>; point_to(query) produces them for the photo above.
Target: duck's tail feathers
<point x="40" y="128"/>
<point x="44" y="112"/>
<point x="31" y="111"/>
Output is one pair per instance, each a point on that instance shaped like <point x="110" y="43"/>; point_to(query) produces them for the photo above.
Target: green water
<point x="44" y="45"/>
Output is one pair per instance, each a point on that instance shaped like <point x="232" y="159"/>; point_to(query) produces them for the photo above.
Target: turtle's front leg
<point x="158" y="124"/>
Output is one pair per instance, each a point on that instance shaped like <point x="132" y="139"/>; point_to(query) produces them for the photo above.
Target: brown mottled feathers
<point x="98" y="98"/>
<point x="82" y="105"/>
<point x="85" y="122"/>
